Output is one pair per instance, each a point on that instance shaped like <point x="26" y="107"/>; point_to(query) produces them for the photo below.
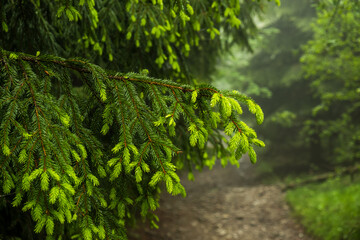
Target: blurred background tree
<point x="272" y="74"/>
<point x="332" y="64"/>
<point x="304" y="71"/>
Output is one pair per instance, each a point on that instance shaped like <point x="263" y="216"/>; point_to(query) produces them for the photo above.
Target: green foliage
<point x="84" y="151"/>
<point x="310" y="94"/>
<point x="118" y="34"/>
<point x="331" y="61"/>
<point x="272" y="74"/>
<point x="64" y="151"/>
<point x="329" y="210"/>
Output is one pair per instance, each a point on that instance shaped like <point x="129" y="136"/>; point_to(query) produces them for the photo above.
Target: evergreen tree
<point x="273" y="75"/>
<point x="331" y="61"/>
<point x="306" y="79"/>
<point x="84" y="150"/>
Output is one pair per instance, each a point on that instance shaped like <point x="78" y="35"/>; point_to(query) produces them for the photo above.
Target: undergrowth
<point x="330" y="210"/>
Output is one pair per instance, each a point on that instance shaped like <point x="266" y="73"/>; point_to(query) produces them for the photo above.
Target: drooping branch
<point x="66" y="133"/>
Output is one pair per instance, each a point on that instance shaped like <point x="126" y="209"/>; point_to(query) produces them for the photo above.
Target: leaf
<point x="190" y="9"/>
<point x="152" y="203"/>
<point x="133" y="149"/>
<point x="235" y="105"/>
<point x="93" y="179"/>
<point x="60" y="11"/>
<point x="179" y="189"/>
<point x="244" y="143"/>
<point x="235" y="141"/>
<point x="126" y="155"/>
<point x="258" y="142"/>
<point x="37" y="212"/>
<point x="169" y="183"/>
<point x="29" y="205"/>
<point x="161" y="121"/>
<point x="251" y="106"/>
<point x="8" y="185"/>
<point x="252" y="155"/>
<point x="103" y="202"/>
<point x="69" y="14"/>
<point x="214" y="99"/>
<point x="4" y="26"/>
<point x="22" y="156"/>
<point x="71" y="173"/>
<point x="69" y="188"/>
<point x="259" y="115"/>
<point x="191" y="176"/>
<point x="138" y="174"/>
<point x="194" y="138"/>
<point x="87" y="234"/>
<point x="102" y="232"/>
<point x="174" y="176"/>
<point x="112" y="161"/>
<point x="49" y="226"/>
<point x="76" y="155"/>
<point x="54" y="194"/>
<point x="34" y="174"/>
<point x="40" y="225"/>
<point x="230" y="128"/>
<point x="144" y="208"/>
<point x="145" y="167"/>
<point x="6" y="150"/>
<point x="68" y="216"/>
<point x="26" y="183"/>
<point x="54" y="174"/>
<point x="226" y="107"/>
<point x="13" y="56"/>
<point x="121" y="209"/>
<point x="194" y="96"/>
<point x="17" y="200"/>
<point x="215" y="119"/>
<point x="103" y="94"/>
<point x="116" y="172"/>
<point x="82" y="150"/>
<point x="117" y="147"/>
<point x="172" y="122"/>
<point x="224" y="162"/>
<point x="59" y="215"/>
<point x="156" y="178"/>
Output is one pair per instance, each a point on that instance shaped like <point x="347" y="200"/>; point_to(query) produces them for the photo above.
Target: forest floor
<point x="224" y="203"/>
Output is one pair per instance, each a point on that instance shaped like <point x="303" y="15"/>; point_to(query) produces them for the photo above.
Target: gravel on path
<point x="224" y="203"/>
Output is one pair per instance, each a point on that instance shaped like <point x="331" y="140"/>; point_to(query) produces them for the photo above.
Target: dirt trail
<point x="225" y="203"/>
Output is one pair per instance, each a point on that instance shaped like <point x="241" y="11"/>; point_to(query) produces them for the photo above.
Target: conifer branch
<point x="61" y="133"/>
<point x="158" y="157"/>
<point x="142" y="153"/>
<point x="158" y="99"/>
<point x="8" y="71"/>
<point x="122" y="114"/>
<point x="65" y="64"/>
<point x="91" y="88"/>
<point x="237" y="127"/>
<point x="137" y="112"/>
<point x="12" y="150"/>
<point x="36" y="111"/>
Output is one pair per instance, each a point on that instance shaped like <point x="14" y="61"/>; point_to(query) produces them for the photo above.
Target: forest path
<point x="224" y="203"/>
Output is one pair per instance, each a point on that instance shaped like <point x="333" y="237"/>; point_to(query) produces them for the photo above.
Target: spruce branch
<point x="117" y="128"/>
<point x="37" y="109"/>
